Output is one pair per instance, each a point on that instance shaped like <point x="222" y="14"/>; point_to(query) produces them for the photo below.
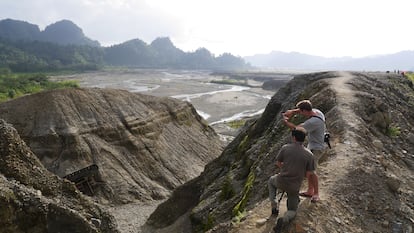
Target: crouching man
<point x="295" y="162"/>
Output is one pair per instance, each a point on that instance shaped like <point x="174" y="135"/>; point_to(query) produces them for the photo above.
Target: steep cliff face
<point x="365" y="178"/>
<point x="32" y="199"/>
<point x="144" y="146"/>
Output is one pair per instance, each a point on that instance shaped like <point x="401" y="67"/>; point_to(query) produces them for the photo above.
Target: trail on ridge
<point x="350" y="177"/>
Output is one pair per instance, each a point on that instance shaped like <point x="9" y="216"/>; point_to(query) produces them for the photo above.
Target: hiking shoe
<point x="279" y="225"/>
<point x="275" y="211"/>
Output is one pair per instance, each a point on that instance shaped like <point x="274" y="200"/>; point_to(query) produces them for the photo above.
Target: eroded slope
<point x="366" y="180"/>
<point x="32" y="199"/>
<point x="144" y="146"/>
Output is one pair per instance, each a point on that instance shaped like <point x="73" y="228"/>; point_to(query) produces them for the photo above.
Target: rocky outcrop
<point x="32" y="199"/>
<point x="365" y="178"/>
<point x="144" y="146"/>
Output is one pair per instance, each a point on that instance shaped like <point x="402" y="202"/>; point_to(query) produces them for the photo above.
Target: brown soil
<point x="366" y="179"/>
<point x="355" y="181"/>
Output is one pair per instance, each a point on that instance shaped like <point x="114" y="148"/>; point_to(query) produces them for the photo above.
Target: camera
<point x="326" y="137"/>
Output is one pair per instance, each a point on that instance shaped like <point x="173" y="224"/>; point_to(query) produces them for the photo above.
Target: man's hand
<point x="287" y="114"/>
<point x="290" y="113"/>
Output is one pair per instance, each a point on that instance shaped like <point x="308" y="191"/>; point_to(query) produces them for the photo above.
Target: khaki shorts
<point x="317" y="155"/>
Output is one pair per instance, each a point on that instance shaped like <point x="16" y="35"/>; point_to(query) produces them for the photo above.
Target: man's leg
<point x="312" y="190"/>
<point x="292" y="207"/>
<point x="272" y="194"/>
<point x="315" y="182"/>
<point x="292" y="201"/>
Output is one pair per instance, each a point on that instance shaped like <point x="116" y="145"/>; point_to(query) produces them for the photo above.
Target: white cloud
<point x="241" y="27"/>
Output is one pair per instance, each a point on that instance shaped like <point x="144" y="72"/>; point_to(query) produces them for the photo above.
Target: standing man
<point x="295" y="162"/>
<point x="315" y="128"/>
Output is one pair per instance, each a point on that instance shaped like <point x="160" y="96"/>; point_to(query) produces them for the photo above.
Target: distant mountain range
<point x="21" y="49"/>
<point x="63" y="45"/>
<point x="402" y="61"/>
<point x="62" y="32"/>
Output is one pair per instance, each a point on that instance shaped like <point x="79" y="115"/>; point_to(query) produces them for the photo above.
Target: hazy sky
<point x="329" y="28"/>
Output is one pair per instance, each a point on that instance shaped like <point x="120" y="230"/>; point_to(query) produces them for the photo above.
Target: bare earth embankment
<point x="217" y="102"/>
<point x="366" y="179"/>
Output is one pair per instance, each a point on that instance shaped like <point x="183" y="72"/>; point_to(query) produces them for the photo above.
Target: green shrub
<point x="231" y="82"/>
<point x="15" y="85"/>
<point x="393" y="131"/>
<point x="236" y="124"/>
<point x="227" y="190"/>
<point x="210" y="222"/>
<point x="410" y="76"/>
<point x="239" y="208"/>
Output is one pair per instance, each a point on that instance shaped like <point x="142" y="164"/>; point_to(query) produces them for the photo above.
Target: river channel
<point x="216" y="103"/>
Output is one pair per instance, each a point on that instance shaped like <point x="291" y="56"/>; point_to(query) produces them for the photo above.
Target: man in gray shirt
<point x="295" y="162"/>
<point x="315" y="128"/>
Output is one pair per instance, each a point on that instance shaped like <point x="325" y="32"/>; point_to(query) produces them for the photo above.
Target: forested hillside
<point x="37" y="56"/>
<point x="63" y="46"/>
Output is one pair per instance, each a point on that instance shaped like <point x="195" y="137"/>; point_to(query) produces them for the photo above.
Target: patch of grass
<point x="240" y="206"/>
<point x="16" y="85"/>
<point x="210" y="222"/>
<point x="227" y="190"/>
<point x="236" y="124"/>
<point x="410" y="76"/>
<point x="242" y="146"/>
<point x="393" y="131"/>
<point x="239" y="217"/>
<point x="232" y="82"/>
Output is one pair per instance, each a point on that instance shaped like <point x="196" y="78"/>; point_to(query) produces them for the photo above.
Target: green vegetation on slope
<point x="36" y="56"/>
<point x="16" y="85"/>
<point x="410" y="76"/>
<point x="236" y="124"/>
<point x="231" y="82"/>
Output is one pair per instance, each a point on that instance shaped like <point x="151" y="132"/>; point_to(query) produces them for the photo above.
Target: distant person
<point x="295" y="162"/>
<point x="315" y="128"/>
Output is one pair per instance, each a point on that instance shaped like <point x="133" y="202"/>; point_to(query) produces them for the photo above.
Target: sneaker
<point x="279" y="225"/>
<point x="275" y="211"/>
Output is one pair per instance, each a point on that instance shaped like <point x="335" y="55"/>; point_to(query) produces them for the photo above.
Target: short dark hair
<point x="299" y="134"/>
<point x="304" y="105"/>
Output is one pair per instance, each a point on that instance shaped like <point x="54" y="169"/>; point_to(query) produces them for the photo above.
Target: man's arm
<point x="289" y="124"/>
<point x="291" y="112"/>
<point x="280" y="157"/>
<point x="287" y="115"/>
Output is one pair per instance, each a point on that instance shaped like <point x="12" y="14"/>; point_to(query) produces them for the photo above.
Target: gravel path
<point x="130" y="217"/>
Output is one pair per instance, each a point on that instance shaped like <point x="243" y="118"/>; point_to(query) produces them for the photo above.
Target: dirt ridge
<point x="366" y="179"/>
<point x="350" y="159"/>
